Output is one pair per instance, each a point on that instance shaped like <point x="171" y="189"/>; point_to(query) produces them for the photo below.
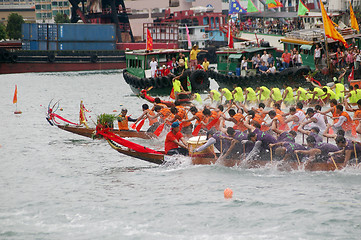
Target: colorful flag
<point x="229" y="35"/>
<point x="271" y="1"/>
<point x="330" y="30"/>
<point x="235" y="7"/>
<point x="302" y="9"/>
<point x="15" y="98"/>
<point x="189" y="84"/>
<point x="188" y="37"/>
<point x="354" y="23"/>
<point x="352" y="75"/>
<point x="251" y="7"/>
<point x="172" y="94"/>
<point x="277" y="5"/>
<point x="149" y="41"/>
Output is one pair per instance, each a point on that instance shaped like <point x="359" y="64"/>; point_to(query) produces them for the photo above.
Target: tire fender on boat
<point x="199" y="80"/>
<point x="14" y="58"/>
<point x="94" y="58"/>
<point x="51" y="57"/>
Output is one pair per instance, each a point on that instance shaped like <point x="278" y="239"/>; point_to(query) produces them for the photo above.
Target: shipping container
<point x="86" y="46"/>
<point x="52" y="32"/>
<point x="86" y="32"/>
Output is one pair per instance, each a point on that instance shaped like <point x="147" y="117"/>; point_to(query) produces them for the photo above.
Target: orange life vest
<point x="347" y="126"/>
<point x="123" y="123"/>
<point x="240" y="124"/>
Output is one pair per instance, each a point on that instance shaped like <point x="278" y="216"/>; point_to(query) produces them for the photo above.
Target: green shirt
<point x="265" y="94"/>
<point x="276" y="95"/>
<point x="177" y="86"/>
<point x="289" y="96"/>
<point x="216" y="95"/>
<point x="238" y="95"/>
<point x="251" y="95"/>
<point x="227" y="94"/>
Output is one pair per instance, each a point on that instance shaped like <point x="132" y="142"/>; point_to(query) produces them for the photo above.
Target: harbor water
<point x="58" y="185"/>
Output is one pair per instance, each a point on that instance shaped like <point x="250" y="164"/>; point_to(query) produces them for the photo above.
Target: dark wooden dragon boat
<point x="89" y="132"/>
<point x="200" y="160"/>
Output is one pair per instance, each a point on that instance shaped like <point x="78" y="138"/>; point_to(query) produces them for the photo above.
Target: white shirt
<point x="153" y="67"/>
<point x="272" y="69"/>
<point x="301" y="116"/>
<point x="341" y="120"/>
<point x="320" y="123"/>
<point x="317" y="53"/>
<point x="264" y="58"/>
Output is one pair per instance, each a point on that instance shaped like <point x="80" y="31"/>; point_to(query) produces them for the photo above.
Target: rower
<point x="174" y="141"/>
<point x="344" y="120"/>
<point x="314" y="132"/>
<point x="236" y="137"/>
<point x="296" y="117"/>
<point x="317" y="151"/>
<point x="356" y="116"/>
<point x="339" y="90"/>
<point x="237" y="119"/>
<point x="276" y="95"/>
<point x="237" y="94"/>
<point x="287" y="96"/>
<point x="250" y="95"/>
<point x="197" y="115"/>
<point x="182" y="113"/>
<point x="214" y="95"/>
<point x="315" y="120"/>
<point x="350" y="149"/>
<point x="152" y="121"/>
<point x="302" y="95"/>
<point x="287" y="150"/>
<point x="123" y="120"/>
<point x="278" y="120"/>
<point x="263" y="94"/>
<point x="227" y="94"/>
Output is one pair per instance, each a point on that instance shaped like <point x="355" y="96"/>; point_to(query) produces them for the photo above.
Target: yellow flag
<point x="330" y="30"/>
<point x="354" y="23"/>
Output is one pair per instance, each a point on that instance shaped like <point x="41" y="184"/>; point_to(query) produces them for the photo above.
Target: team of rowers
<point x="257" y="131"/>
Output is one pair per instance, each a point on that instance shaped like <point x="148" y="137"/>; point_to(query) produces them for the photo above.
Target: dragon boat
<point x="90" y="132"/>
<point x="208" y="156"/>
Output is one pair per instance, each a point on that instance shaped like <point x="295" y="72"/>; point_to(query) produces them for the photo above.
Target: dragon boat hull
<point x="89" y="132"/>
<point x="283" y="166"/>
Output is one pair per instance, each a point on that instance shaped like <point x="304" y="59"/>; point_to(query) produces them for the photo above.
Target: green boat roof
<point x="256" y="49"/>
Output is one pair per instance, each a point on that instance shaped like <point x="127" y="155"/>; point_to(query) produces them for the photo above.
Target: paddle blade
<point x="211" y="124"/>
<point x="172" y="94"/>
<point x="159" y="130"/>
<point x="140" y="125"/>
<point x="132" y="125"/>
<point x="196" y="130"/>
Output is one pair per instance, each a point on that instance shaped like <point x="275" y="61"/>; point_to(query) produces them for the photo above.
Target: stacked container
<point x="68" y="36"/>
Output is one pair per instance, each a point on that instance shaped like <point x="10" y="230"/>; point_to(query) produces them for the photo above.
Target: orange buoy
<point x="228" y="193"/>
<point x="114" y="110"/>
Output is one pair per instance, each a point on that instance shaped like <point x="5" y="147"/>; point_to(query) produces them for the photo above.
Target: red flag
<point x="149" y="41"/>
<point x="197" y="129"/>
<point x="15" y="99"/>
<point x="159" y="130"/>
<point x="352" y="75"/>
<point x="140" y="125"/>
<point x="229" y="35"/>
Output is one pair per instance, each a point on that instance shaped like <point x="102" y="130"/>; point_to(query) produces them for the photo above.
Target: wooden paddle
<point x="298" y="159"/>
<point x="354" y="148"/>
<point x="333" y="160"/>
<point x="270" y="151"/>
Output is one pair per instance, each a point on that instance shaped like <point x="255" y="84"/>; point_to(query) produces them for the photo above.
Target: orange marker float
<point x="228" y="193"/>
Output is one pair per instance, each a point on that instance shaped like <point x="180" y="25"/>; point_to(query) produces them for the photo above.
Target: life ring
<point x="204" y="36"/>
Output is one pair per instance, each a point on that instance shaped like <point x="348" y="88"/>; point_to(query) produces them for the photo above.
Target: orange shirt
<point x="169" y="141"/>
<point x="281" y="123"/>
<point x="123" y="123"/>
<point x="334" y="114"/>
<point x="357" y="114"/>
<point x="347" y="126"/>
<point x="239" y="125"/>
<point x="151" y="120"/>
<point x="200" y="116"/>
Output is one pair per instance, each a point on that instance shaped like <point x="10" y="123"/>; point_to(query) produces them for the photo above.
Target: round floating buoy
<point x="228" y="193"/>
<point x="114" y="110"/>
<point x="61" y="109"/>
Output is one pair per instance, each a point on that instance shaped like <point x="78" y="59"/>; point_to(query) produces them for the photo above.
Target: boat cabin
<point x="229" y="60"/>
<point x="137" y="62"/>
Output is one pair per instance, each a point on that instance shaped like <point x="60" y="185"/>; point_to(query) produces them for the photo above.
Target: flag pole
<point x="327" y="54"/>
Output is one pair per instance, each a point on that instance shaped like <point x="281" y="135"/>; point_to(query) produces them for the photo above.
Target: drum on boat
<point x="197" y="141"/>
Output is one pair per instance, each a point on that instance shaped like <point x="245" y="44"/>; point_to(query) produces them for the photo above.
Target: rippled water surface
<point x="57" y="185"/>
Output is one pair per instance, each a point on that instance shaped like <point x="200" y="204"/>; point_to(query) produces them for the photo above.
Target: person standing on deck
<point x="205" y="64"/>
<point x="174" y="141"/>
<point x="123" y="120"/>
<point x="317" y="56"/>
<point x="153" y="67"/>
<point x="193" y="56"/>
<point x="286" y="58"/>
